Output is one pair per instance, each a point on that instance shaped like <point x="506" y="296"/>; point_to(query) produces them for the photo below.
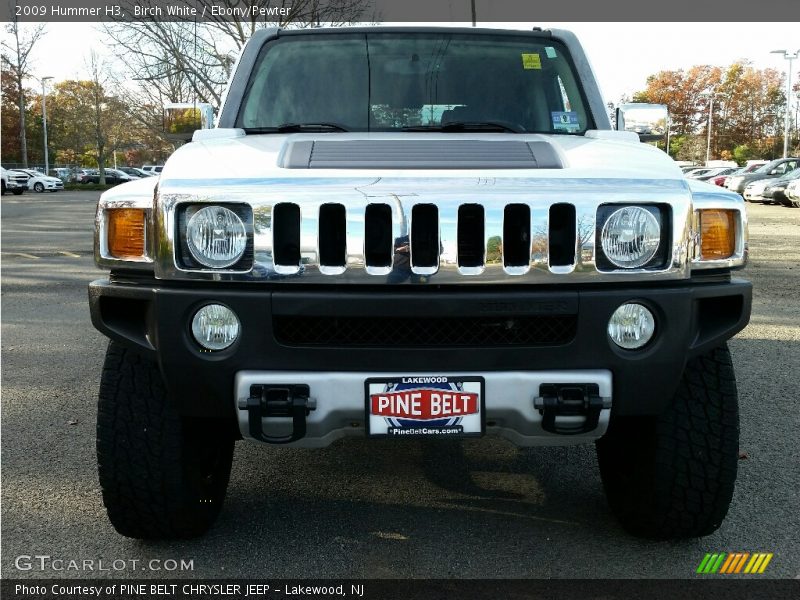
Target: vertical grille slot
<point x="378" y="235"/>
<point x="562" y="235"/>
<point x="424" y="235"/>
<point x="470" y="235"/>
<point x="286" y="234"/>
<point x="517" y="235"/>
<point x="332" y="235"/>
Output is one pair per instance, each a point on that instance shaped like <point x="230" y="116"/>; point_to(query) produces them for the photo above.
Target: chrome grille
<point x="420" y="246"/>
<point x="431" y="230"/>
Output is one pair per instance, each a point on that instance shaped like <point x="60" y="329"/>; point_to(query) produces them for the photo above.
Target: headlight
<point x="630" y="237"/>
<point x="216" y="237"/>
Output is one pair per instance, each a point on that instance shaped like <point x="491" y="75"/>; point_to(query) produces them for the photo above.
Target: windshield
<point x="397" y="81"/>
<point x="768" y="167"/>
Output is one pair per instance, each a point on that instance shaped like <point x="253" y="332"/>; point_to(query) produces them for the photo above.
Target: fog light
<point x="215" y="327"/>
<point x="631" y="326"/>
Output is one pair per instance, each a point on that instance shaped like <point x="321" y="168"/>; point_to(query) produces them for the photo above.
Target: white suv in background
<point x="14" y="181"/>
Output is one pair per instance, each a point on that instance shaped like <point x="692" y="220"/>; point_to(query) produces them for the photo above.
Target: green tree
<point x="494" y="249"/>
<point x="742" y="153"/>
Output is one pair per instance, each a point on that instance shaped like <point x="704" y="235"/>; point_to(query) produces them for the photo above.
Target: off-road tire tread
<point x="140" y="453"/>
<point x="673" y="477"/>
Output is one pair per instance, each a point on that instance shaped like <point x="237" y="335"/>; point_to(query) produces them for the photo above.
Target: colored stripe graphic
<point x="729" y="563"/>
<point x="703" y="563"/>
<point x="764" y="564"/>
<point x="710" y="563"/>
<point x="732" y="558"/>
<point x="718" y="564"/>
<point x="741" y="562"/>
<point x="755" y="563"/>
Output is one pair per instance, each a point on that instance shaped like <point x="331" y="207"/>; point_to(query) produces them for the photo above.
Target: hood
<point x="231" y="155"/>
<point x="751" y="177"/>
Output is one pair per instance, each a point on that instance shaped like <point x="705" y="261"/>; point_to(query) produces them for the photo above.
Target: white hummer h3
<point x="419" y="232"/>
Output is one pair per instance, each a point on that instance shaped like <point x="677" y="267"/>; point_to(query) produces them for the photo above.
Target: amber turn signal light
<point x="126" y="233"/>
<point x="717" y="234"/>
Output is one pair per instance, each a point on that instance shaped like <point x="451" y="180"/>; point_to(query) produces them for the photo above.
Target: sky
<point x="622" y="54"/>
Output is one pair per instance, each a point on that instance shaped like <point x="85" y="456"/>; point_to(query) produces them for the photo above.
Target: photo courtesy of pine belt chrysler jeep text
<point x="418" y="232"/>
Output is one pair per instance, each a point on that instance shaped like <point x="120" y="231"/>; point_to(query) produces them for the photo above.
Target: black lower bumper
<point x="428" y="331"/>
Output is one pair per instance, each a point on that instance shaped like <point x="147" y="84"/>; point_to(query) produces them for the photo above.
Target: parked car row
<point x="19" y="180"/>
<point x="120" y="175"/>
<point x="792" y="193"/>
<point x="772" y="189"/>
<point x="777" y="181"/>
<point x="720" y="175"/>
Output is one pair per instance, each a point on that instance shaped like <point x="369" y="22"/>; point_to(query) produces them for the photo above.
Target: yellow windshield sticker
<point x="531" y="61"/>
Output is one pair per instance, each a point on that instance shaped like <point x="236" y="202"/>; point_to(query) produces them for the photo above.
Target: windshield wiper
<point x="296" y="127"/>
<point x="469" y="126"/>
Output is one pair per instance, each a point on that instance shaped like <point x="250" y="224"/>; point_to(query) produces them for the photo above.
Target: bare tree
<point x="16" y="55"/>
<point x="186" y="61"/>
<point x="108" y="114"/>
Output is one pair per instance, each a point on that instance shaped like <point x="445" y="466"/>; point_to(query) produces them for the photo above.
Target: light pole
<point x="790" y="56"/>
<point x="44" y="125"/>
<point x="710" y="112"/>
<point x="796" y="110"/>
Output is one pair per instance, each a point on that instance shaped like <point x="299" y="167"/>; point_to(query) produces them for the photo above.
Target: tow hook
<point x="278" y="400"/>
<point x="570" y="399"/>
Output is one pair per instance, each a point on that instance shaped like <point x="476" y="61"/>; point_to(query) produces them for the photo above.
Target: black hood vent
<point x="418" y="154"/>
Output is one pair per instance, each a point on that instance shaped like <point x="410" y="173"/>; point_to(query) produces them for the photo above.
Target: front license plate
<point x="425" y="406"/>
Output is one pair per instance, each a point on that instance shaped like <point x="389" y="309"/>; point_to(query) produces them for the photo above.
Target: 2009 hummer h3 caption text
<point x="419" y="232"/>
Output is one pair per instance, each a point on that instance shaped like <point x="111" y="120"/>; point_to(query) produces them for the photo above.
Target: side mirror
<point x="650" y="121"/>
<point x="182" y="119"/>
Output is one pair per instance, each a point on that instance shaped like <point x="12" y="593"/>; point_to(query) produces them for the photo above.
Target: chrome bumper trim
<point x="341" y="410"/>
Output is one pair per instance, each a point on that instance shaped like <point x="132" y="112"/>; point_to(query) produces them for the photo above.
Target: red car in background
<point x="721" y="179"/>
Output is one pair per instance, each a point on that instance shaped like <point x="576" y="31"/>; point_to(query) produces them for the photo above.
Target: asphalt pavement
<point x="432" y="509"/>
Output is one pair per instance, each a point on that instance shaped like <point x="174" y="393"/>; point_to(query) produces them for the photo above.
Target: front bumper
<point x="569" y="333"/>
<point x="754" y="194"/>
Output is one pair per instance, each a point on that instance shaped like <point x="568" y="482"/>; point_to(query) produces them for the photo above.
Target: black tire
<point x="672" y="476"/>
<point x="162" y="476"/>
<point x="3" y="187"/>
<point x="38" y="187"/>
<point x="18" y="192"/>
